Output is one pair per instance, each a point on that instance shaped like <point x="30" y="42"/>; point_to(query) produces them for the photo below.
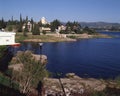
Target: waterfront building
<point x="7" y="38"/>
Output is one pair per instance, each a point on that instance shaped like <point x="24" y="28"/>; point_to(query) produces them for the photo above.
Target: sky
<point x="63" y="10"/>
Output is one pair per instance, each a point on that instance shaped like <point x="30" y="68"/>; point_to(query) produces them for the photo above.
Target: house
<point x="61" y="27"/>
<point x="29" y="26"/>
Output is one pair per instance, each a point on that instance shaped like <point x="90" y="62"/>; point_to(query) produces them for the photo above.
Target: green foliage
<point x="32" y="71"/>
<point x="63" y="32"/>
<point x="36" y="30"/>
<point x="55" y="24"/>
<point x="2" y="49"/>
<point x="44" y="32"/>
<point x="2" y="24"/>
<point x="10" y="28"/>
<point x="20" y="38"/>
<point x="19" y="29"/>
<point x="89" y="31"/>
<point x="32" y="22"/>
<point x="26" y="27"/>
<point x="20" y="24"/>
<point x="7" y="82"/>
<point x="73" y="27"/>
<point x="117" y="80"/>
<point x="98" y="94"/>
<point x="79" y="32"/>
<point x="25" y="30"/>
<point x="72" y="37"/>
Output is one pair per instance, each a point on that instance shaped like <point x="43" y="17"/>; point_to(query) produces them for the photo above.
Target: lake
<point x="98" y="58"/>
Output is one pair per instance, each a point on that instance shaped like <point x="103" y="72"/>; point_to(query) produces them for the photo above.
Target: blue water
<point x="98" y="58"/>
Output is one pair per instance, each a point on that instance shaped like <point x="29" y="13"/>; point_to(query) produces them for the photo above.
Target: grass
<point x="38" y="38"/>
<point x="52" y="38"/>
<point x="7" y="82"/>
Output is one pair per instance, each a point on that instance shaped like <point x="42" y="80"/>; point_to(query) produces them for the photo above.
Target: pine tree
<point x="20" y="24"/>
<point x="32" y="22"/>
<point x="2" y="23"/>
<point x="26" y="27"/>
<point x="55" y="24"/>
<point x="32" y="71"/>
<point x="36" y="30"/>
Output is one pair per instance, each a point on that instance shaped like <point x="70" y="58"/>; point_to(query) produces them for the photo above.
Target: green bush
<point x="44" y="32"/>
<point x="63" y="32"/>
<point x="117" y="80"/>
<point x="2" y="49"/>
<point x="10" y="28"/>
<point x="72" y="37"/>
<point x="7" y="82"/>
<point x="98" y="94"/>
<point x="36" y="30"/>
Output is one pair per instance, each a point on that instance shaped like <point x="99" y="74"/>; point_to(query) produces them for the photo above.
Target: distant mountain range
<point x="104" y="25"/>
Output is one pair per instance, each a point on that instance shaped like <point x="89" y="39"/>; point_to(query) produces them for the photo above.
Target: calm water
<point x="99" y="58"/>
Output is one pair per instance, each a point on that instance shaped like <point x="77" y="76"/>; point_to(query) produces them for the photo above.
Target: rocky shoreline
<point x="73" y="85"/>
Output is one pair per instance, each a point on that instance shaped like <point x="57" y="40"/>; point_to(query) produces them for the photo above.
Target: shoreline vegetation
<point x="57" y="37"/>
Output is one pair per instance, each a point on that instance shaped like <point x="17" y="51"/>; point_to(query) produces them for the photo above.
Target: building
<point x="61" y="27"/>
<point x="47" y="29"/>
<point x="7" y="38"/>
<point x="29" y="26"/>
<point x="43" y="21"/>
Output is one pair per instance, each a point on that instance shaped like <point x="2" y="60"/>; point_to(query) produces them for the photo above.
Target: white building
<point x="61" y="27"/>
<point x="29" y="26"/>
<point x="43" y="21"/>
<point x="7" y="38"/>
<point x="47" y="29"/>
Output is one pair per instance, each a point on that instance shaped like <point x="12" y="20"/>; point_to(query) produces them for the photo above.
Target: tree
<point x="54" y="25"/>
<point x="2" y="50"/>
<point x="31" y="73"/>
<point x="20" y="24"/>
<point x="73" y="26"/>
<point x="10" y="28"/>
<point x="36" y="30"/>
<point x="2" y="23"/>
<point x="69" y="27"/>
<point x="89" y="31"/>
<point x="32" y="22"/>
<point x="26" y="27"/>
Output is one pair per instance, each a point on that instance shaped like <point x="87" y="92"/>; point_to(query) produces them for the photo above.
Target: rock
<point x="19" y="66"/>
<point x="70" y="75"/>
<point x="73" y="85"/>
<point x="43" y="58"/>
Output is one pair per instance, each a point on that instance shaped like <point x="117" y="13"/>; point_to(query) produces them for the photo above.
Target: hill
<point x="101" y="25"/>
